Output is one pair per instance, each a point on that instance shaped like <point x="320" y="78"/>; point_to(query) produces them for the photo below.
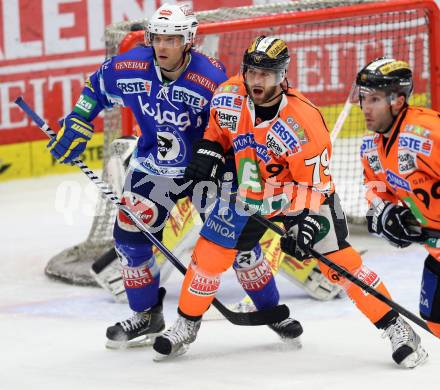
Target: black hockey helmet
<point x="384" y="74"/>
<point x="267" y="53"/>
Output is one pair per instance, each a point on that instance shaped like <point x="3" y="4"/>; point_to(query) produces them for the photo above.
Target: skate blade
<point x="294" y="343"/>
<point x="139" y="342"/>
<point x="159" y="357"/>
<point x="415" y="359"/>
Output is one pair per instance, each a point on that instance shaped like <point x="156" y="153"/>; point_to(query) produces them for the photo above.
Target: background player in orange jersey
<point x="282" y="150"/>
<point x="402" y="170"/>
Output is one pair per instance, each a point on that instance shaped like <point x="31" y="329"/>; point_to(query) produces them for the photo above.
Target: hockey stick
<point x="277" y="229"/>
<point x="431" y="233"/>
<point x="262" y="317"/>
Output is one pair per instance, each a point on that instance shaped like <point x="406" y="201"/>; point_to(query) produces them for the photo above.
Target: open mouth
<point x="257" y="92"/>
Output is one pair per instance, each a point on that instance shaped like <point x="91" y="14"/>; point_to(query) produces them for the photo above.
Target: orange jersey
<point x="406" y="166"/>
<point x="282" y="164"/>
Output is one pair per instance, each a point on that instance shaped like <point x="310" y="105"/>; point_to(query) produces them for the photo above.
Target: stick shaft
<point x="263" y="317"/>
<point x="353" y="279"/>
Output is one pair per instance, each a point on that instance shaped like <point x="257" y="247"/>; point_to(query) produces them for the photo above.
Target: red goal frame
<point x="433" y="14"/>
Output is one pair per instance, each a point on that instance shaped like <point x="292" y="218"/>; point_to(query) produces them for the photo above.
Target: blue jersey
<point x="171" y="115"/>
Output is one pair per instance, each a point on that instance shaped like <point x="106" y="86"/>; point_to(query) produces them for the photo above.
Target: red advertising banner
<point x="326" y="57"/>
<point x="48" y="48"/>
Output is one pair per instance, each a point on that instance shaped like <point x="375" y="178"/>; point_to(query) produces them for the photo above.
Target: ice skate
<point x="175" y="341"/>
<point x="289" y="331"/>
<point x="407" y="350"/>
<point x="139" y="330"/>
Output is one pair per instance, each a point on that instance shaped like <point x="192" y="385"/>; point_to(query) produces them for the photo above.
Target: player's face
<point x="377" y="113"/>
<point x="168" y="49"/>
<point x="262" y="84"/>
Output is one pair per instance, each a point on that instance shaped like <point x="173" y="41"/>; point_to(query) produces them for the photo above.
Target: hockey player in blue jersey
<point x="168" y="87"/>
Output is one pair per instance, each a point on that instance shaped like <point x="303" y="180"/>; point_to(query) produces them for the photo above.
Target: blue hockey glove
<point x="72" y="139"/>
<point x="395" y="223"/>
<point x="301" y="235"/>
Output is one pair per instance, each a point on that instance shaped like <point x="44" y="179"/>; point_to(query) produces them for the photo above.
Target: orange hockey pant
<point x="350" y="260"/>
<point x="210" y="260"/>
<point x="202" y="280"/>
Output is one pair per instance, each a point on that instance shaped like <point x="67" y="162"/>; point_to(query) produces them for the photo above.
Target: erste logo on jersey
<point x="415" y="143"/>
<point x="191" y="98"/>
<point x="397" y="181"/>
<point x="244" y="141"/>
<point x="369" y="143"/>
<point x="131" y="86"/>
<point x="286" y="135"/>
<point x="228" y="119"/>
<point x="227" y="100"/>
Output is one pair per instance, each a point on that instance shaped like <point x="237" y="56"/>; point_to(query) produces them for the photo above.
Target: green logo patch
<point x="249" y="175"/>
<point x="325" y="227"/>
<point x="433" y="242"/>
<point x="415" y="210"/>
<point x="84" y="106"/>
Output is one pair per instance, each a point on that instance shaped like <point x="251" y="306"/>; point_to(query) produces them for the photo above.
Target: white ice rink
<point x="53" y="334"/>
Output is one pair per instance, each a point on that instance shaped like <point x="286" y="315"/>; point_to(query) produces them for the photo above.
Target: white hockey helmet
<point x="173" y="19"/>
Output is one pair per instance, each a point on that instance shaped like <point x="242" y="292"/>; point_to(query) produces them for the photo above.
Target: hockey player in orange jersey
<point x="401" y="161"/>
<point x="282" y="151"/>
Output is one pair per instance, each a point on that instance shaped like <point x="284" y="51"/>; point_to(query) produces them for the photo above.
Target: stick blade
<point x="255" y="318"/>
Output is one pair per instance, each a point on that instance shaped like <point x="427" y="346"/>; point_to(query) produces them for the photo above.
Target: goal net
<point x="329" y="42"/>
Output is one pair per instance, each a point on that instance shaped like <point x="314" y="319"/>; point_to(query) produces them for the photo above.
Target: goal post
<point x="329" y="41"/>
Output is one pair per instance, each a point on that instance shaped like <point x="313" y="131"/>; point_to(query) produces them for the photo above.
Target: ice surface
<point x="53" y="334"/>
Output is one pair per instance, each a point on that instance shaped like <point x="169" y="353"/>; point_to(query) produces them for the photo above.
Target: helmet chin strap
<point x="274" y="97"/>
<point x="284" y="87"/>
<point x="177" y="67"/>
<point x="387" y="130"/>
<point x="394" y="117"/>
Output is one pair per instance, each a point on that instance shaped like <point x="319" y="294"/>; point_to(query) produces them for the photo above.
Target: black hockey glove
<point x="301" y="235"/>
<point x="395" y="223"/>
<point x="207" y="161"/>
